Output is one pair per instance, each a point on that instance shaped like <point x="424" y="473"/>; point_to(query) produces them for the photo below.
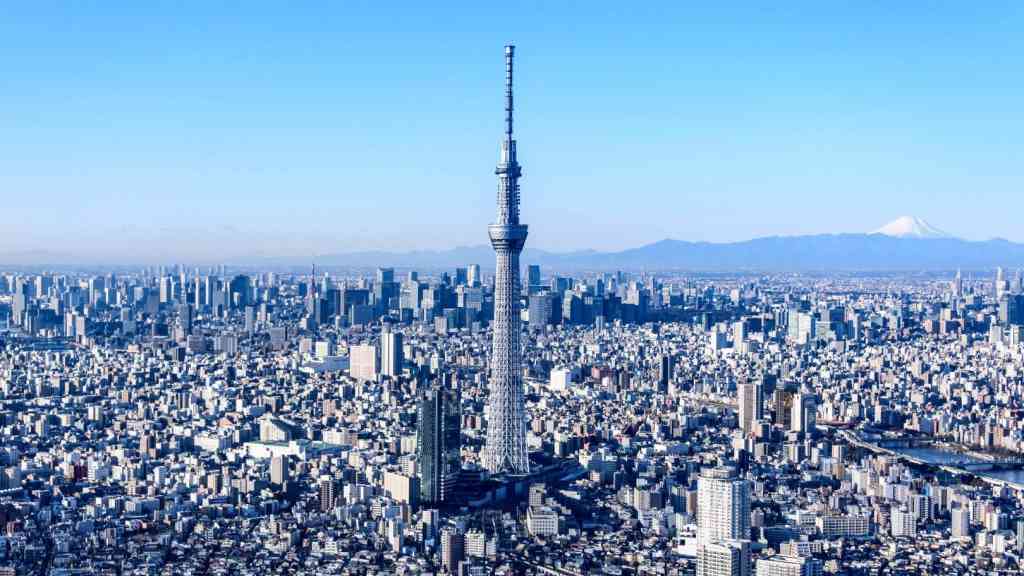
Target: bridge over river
<point x="928" y="452"/>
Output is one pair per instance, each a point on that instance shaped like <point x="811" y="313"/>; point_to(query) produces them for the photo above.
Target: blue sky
<point x="220" y="129"/>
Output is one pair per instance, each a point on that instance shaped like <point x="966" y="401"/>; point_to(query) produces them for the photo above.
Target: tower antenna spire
<point x="509" y="54"/>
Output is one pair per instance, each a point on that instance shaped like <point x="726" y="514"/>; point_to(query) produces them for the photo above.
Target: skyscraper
<point x="804" y="410"/>
<point x="438" y="442"/>
<point x="665" y="363"/>
<point x="391" y="352"/>
<point x="364" y="361"/>
<point x="185" y="318"/>
<point x="506" y="427"/>
<point x="723" y="523"/>
<point x="751" y="404"/>
<point x="533" y="278"/>
<point x="723" y="505"/>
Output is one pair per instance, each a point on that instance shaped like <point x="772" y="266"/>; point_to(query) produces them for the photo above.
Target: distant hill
<point x="909" y="246"/>
<point x="774" y="253"/>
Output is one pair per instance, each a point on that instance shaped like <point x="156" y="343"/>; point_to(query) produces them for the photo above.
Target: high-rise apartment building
<point x="960" y="522"/>
<point x="328" y="493"/>
<point x="902" y="523"/>
<point x="723" y="505"/>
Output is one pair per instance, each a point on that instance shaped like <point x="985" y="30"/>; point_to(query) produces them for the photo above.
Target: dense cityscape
<point x="206" y="422"/>
<point x="513" y="419"/>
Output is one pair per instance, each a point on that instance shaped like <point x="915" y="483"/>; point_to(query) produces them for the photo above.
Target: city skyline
<point x="212" y="133"/>
<point x="211" y="363"/>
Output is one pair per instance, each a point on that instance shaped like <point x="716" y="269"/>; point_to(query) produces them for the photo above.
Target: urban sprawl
<point x="173" y="421"/>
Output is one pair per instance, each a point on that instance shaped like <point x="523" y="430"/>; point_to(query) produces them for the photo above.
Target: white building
<point x="788" y="566"/>
<point x="723" y="558"/>
<point x="902" y="523"/>
<point x="843" y="526"/>
<point x="960" y="523"/>
<point x="364" y="364"/>
<point x="723" y="505"/>
<point x="391" y="354"/>
<point x="542" y="521"/>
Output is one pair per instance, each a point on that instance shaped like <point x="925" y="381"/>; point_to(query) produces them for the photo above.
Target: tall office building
<point x="540" y="309"/>
<point x="506" y="427"/>
<point x="364" y="362"/>
<point x="751" y="404"/>
<point x="533" y="278"/>
<point x="391" y="353"/>
<point x="438" y="441"/>
<point x="240" y="291"/>
<point x="166" y="289"/>
<point x="804" y="409"/>
<point x="1011" y="310"/>
<point x="723" y="505"/>
<point x="197" y="293"/>
<point x="385" y="290"/>
<point x="185" y="318"/>
<point x="665" y="365"/>
<point x="783" y="407"/>
<point x="473" y="275"/>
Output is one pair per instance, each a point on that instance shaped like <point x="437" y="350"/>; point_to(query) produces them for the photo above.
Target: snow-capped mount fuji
<point x="911" y="227"/>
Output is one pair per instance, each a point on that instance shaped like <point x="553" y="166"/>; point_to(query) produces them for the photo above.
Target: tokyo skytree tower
<point x="506" y="424"/>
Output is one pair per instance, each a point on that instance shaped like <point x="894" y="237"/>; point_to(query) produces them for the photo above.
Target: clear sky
<point x="185" y="129"/>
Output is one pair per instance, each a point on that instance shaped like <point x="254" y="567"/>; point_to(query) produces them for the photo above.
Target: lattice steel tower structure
<point x="506" y="425"/>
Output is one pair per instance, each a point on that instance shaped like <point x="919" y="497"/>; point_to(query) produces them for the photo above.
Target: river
<point x="937" y="456"/>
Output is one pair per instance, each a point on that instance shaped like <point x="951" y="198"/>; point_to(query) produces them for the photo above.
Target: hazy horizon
<point x="162" y="132"/>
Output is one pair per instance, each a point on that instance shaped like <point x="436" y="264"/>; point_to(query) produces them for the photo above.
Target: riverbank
<point x="942" y="459"/>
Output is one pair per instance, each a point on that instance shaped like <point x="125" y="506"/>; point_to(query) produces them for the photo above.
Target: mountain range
<point x="905" y="244"/>
<point x="877" y="252"/>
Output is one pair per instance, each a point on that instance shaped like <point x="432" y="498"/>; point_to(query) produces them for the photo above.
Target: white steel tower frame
<point x="505" y="451"/>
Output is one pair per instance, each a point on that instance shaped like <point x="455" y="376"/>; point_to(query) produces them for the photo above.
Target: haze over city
<point x="202" y="132"/>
